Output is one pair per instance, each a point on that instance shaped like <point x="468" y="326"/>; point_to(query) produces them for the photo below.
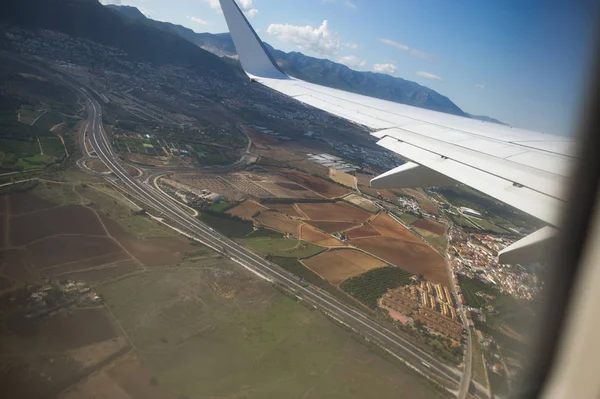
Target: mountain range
<point x="88" y="19"/>
<point x="146" y="40"/>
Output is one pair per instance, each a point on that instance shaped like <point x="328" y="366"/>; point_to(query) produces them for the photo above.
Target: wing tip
<point x="256" y="60"/>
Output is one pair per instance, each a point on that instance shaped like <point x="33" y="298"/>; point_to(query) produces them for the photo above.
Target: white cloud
<point x="350" y="4"/>
<point x="393" y="43"/>
<point x="352" y="46"/>
<point x="419" y="54"/>
<point x="197" y="20"/>
<point x="428" y="75"/>
<point x="390" y="69"/>
<point x="403" y="47"/>
<point x="245" y="5"/>
<point x="320" y="41"/>
<point x="352" y="61"/>
<point x="480" y="86"/>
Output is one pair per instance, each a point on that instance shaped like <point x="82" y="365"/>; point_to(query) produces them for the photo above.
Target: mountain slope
<point x="90" y="20"/>
<point x="386" y="87"/>
<point x="487" y="119"/>
<point x="314" y="70"/>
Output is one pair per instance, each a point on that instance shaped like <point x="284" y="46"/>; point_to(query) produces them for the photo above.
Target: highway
<point x="397" y="346"/>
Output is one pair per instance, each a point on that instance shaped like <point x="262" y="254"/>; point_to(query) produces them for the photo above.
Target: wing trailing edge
<point x="524" y="169"/>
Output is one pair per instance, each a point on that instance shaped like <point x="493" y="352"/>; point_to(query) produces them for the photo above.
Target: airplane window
<point x="257" y="199"/>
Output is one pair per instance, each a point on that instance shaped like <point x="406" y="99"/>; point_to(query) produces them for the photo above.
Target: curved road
<point x="416" y="358"/>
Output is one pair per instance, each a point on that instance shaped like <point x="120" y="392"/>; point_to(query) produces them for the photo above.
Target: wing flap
<point x="540" y="205"/>
<point x="525" y="169"/>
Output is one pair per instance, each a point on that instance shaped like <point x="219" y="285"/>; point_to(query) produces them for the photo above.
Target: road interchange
<point x="153" y="199"/>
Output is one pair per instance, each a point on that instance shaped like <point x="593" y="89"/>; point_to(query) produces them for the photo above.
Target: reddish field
<point x="362" y="231"/>
<point x="62" y="331"/>
<point x="13" y="266"/>
<point x="57" y="250"/>
<point x="101" y="262"/>
<point x="71" y="241"/>
<point x="3" y="220"/>
<point x="287" y="190"/>
<point x="431" y="226"/>
<point x="317" y="237"/>
<point x="336" y="266"/>
<point x="246" y="209"/>
<point x="387" y="226"/>
<point x="131" y="376"/>
<point x="332" y="227"/>
<point x="414" y="257"/>
<point x="105" y="273"/>
<point x="339" y="211"/>
<point x="319" y="186"/>
<point x="286" y="209"/>
<point x="279" y="222"/>
<point x="152" y="252"/>
<point x="429" y="207"/>
<point x="68" y="219"/>
<point x="24" y="202"/>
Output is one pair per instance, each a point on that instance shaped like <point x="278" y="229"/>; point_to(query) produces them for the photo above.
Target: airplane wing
<point x="524" y="169"/>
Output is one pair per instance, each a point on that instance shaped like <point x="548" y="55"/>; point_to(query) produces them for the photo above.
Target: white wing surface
<point x="524" y="169"/>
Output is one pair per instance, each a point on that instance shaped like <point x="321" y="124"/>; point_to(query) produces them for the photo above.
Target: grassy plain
<point x="281" y="246"/>
<point x="217" y="332"/>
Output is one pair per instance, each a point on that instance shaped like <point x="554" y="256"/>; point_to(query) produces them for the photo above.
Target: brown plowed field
<point x="62" y="332"/>
<point x="431" y="226"/>
<point x="362" y="231"/>
<point x="69" y="219"/>
<point x="86" y="264"/>
<point x="246" y="209"/>
<point x="92" y="276"/>
<point x="338" y="211"/>
<point x="57" y="250"/>
<point x="131" y="376"/>
<point x="152" y="252"/>
<point x="414" y="257"/>
<point x="279" y="222"/>
<point x="388" y="227"/>
<point x="13" y="265"/>
<point x="287" y="190"/>
<point x="333" y="227"/>
<point x="25" y="202"/>
<point x="317" y="237"/>
<point x="315" y="184"/>
<point x="286" y="209"/>
<point x="337" y="265"/>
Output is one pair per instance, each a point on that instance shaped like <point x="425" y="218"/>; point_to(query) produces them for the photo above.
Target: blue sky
<point x="524" y="62"/>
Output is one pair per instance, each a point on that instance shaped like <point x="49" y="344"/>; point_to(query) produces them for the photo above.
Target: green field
<point x="281" y="247"/>
<point x="262" y="232"/>
<point x="487" y="226"/>
<point x="221" y="206"/>
<point x="370" y="286"/>
<point x="52" y="146"/>
<point x="230" y="226"/>
<point x="407" y="218"/>
<point x="48" y="120"/>
<point x="492" y="209"/>
<point x="28" y="116"/>
<point x="223" y="335"/>
<point x="478" y="365"/>
<point x="439" y="243"/>
<point x="515" y="313"/>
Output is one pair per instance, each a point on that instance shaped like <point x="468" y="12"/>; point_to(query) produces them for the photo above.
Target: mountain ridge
<point x="322" y="71"/>
<point x="89" y="19"/>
